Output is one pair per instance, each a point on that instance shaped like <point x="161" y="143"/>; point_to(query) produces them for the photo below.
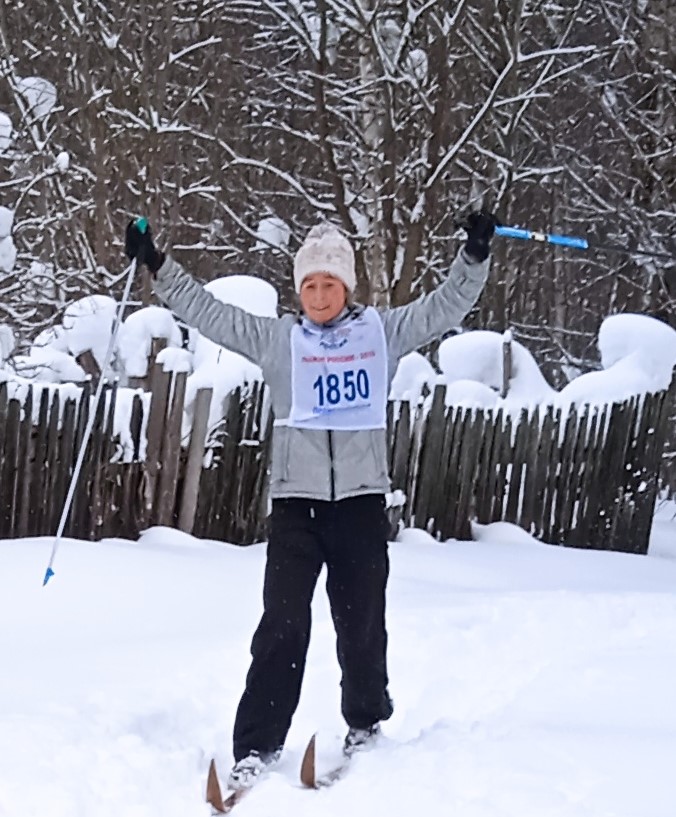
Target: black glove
<point x="139" y="245"/>
<point x="480" y="228"/>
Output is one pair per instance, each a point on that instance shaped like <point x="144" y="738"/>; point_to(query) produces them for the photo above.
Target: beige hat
<point x="325" y="250"/>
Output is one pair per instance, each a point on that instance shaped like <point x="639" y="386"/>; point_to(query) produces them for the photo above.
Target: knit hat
<point x="325" y="250"/>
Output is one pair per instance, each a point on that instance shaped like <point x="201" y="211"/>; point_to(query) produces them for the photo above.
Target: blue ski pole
<point x="575" y="242"/>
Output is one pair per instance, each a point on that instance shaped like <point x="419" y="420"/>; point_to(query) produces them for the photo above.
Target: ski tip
<point x="308" y="776"/>
<point x="214" y="795"/>
<point x="48" y="576"/>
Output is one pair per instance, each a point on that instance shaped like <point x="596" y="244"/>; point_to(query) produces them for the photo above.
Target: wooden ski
<point x="308" y="771"/>
<point x="215" y="796"/>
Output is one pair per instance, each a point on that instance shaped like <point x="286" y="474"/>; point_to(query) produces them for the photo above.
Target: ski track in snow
<point x="528" y="680"/>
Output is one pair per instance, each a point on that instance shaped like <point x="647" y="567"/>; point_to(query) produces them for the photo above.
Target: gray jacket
<point x="310" y="463"/>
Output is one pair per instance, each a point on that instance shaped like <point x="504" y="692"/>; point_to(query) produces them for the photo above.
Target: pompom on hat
<point x="325" y="250"/>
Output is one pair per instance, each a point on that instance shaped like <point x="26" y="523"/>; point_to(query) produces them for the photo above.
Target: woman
<point x="329" y="372"/>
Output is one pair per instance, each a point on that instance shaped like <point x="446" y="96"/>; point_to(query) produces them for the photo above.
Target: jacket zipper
<point x="333" y="473"/>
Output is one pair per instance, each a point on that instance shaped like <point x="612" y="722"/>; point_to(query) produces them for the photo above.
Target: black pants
<point x="350" y="537"/>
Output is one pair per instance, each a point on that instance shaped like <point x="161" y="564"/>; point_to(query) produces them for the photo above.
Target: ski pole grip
<point x="141" y="225"/>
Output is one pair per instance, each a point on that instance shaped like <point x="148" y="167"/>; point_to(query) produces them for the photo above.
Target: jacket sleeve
<point x="411" y="326"/>
<point x="229" y="326"/>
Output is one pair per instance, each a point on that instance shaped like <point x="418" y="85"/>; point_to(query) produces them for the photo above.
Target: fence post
<point x="146" y="382"/>
<point x="155" y="431"/>
<point x="507" y="362"/>
<point x="88" y="362"/>
<point x="193" y="468"/>
<point x="171" y="453"/>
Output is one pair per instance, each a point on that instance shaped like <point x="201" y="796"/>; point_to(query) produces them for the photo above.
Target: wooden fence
<point x="585" y="479"/>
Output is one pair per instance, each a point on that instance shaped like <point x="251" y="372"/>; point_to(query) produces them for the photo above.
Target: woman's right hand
<point x="138" y="244"/>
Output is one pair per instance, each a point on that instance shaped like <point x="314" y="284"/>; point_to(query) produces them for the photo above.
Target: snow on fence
<point x="587" y="478"/>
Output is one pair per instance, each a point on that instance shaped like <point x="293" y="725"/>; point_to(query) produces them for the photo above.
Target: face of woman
<point x="322" y="297"/>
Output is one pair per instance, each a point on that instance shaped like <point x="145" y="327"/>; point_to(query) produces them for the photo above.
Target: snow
<point x="39" y="93"/>
<point x="7" y="342"/>
<point x="6" y="131"/>
<point x="413" y="373"/>
<point x="6" y="222"/>
<point x="418" y="65"/>
<point x="272" y="233"/>
<point x="48" y="365"/>
<point x="54" y="336"/>
<point x="88" y="323"/>
<point x="247" y="292"/>
<point x="124" y="402"/>
<point x="478" y="356"/>
<point x="7" y="254"/>
<point x="62" y="162"/>
<point x="470" y="394"/>
<point x="137" y="333"/>
<point x="175" y="360"/>
<point x="638" y="355"/>
<point x="528" y="680"/>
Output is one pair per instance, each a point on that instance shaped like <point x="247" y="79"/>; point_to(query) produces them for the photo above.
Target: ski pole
<point x="142" y="225"/>
<point x="576" y="242"/>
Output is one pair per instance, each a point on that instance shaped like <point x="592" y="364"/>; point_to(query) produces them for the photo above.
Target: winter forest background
<point x="391" y="117"/>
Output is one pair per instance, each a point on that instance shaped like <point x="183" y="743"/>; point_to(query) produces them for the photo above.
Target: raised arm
<point x="229" y="326"/>
<point x="409" y="327"/>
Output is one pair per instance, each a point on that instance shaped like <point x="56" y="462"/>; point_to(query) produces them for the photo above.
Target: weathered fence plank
<point x="8" y="484"/>
<point x="39" y="446"/>
<point x="157" y="418"/>
<point x="171" y="453"/>
<point x="24" y="464"/>
<point x="51" y="465"/>
<point x="194" y="460"/>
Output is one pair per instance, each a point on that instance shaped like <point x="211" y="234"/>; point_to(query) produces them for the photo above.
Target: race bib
<point x="339" y="375"/>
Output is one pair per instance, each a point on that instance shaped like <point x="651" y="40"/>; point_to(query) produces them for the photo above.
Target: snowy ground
<point x="529" y="681"/>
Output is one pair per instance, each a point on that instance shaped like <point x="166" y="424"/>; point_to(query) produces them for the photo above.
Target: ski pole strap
<point x="548" y="238"/>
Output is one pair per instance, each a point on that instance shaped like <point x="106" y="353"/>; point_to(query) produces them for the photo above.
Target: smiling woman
<point x="323" y="273"/>
<point x="328" y="371"/>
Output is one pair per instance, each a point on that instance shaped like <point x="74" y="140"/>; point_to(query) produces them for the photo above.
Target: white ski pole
<point x="130" y="271"/>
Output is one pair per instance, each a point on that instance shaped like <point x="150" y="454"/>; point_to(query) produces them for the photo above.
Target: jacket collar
<point x="348" y="313"/>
